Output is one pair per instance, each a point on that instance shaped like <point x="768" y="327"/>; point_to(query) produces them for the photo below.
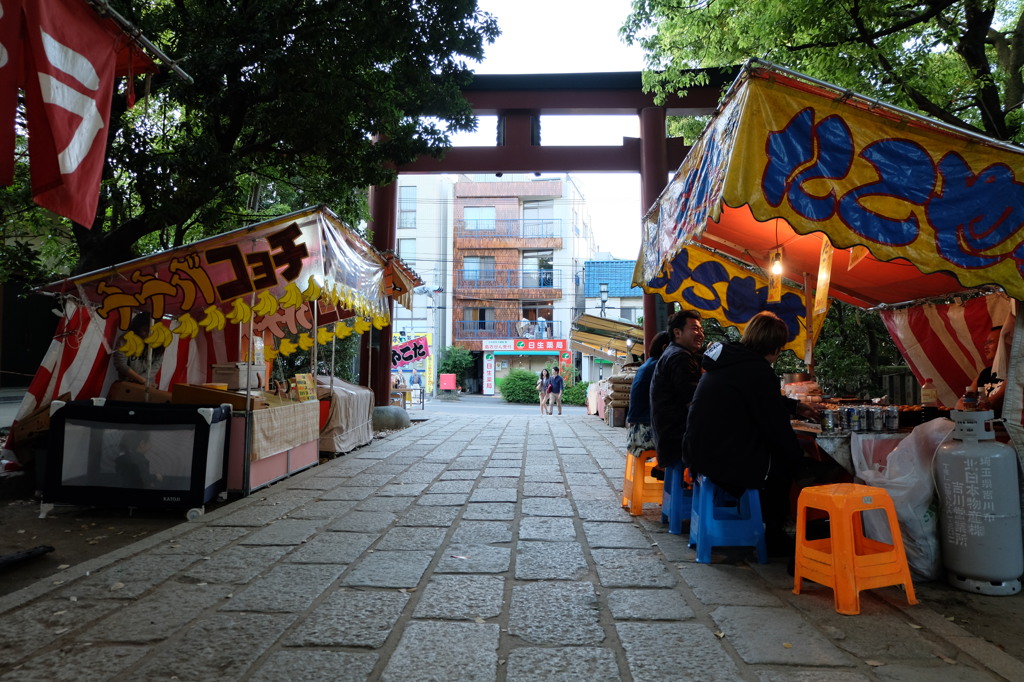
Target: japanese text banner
<point x="900" y="187"/>
<point x="698" y="279"/>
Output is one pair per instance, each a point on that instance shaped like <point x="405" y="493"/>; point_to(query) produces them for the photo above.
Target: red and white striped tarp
<point x="79" y="360"/>
<point x="944" y="341"/>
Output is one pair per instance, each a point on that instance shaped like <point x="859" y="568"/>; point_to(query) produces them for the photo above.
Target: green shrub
<point x="575" y="394"/>
<point x="520" y="386"/>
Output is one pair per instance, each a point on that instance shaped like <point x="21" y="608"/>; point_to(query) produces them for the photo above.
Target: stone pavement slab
<point x="463" y="548"/>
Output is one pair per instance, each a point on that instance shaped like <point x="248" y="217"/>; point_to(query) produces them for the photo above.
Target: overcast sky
<point x="574" y="36"/>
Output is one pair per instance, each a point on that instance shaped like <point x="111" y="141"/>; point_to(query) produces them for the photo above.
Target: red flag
<point x="71" y="57"/>
<point x="10" y="80"/>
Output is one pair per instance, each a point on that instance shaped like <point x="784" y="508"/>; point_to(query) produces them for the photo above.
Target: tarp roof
<point x="605" y="333"/>
<point x="789" y="161"/>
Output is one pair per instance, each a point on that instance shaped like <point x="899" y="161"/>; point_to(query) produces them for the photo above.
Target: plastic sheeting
<point x="350" y="418"/>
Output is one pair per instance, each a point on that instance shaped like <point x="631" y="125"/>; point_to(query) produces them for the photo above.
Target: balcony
<point x="510" y="228"/>
<point x="486" y="330"/>
<point x="469" y="278"/>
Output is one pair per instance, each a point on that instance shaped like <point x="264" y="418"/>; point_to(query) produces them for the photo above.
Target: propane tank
<point x="979" y="515"/>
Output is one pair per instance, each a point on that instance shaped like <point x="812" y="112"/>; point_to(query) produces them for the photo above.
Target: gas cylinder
<point x="979" y="507"/>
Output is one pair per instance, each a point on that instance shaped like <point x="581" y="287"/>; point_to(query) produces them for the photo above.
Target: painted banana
<point x="361" y="325"/>
<point x="266" y="304"/>
<point x="187" y="327"/>
<point x="342" y="330"/>
<point x="292" y="297"/>
<point x="269" y="353"/>
<point x="132" y="346"/>
<point x="240" y="313"/>
<point x="287" y="347"/>
<point x="159" y="335"/>
<point x="323" y="336"/>
<point x="305" y="341"/>
<point x="214" y="319"/>
<point x="379" y="321"/>
<point x="313" y="290"/>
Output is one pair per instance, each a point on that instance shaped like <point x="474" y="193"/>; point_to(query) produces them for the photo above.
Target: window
<point x="407" y="250"/>
<point x="479" y="318"/>
<point x="480" y="217"/>
<point x="628" y="313"/>
<point x="535" y="321"/>
<point x="538" y="218"/>
<point x="407" y="207"/>
<point x="538" y="268"/>
<point x="478" y="268"/>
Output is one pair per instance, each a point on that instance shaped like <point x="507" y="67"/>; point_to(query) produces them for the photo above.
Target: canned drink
<point x="862" y="418"/>
<point x="892" y="418"/>
<point x="828" y="421"/>
<point x="877" y="418"/>
<point x="852" y="419"/>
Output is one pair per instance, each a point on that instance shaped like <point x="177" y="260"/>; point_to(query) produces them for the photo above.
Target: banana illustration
<point x="323" y="336"/>
<point x="269" y="353"/>
<point x="132" y="346"/>
<point x="292" y="296"/>
<point x="313" y="290"/>
<point x="266" y="304"/>
<point x="187" y="327"/>
<point x="214" y="319"/>
<point x="305" y="341"/>
<point x="159" y="335"/>
<point x="287" y="347"/>
<point x="332" y="295"/>
<point x="240" y="313"/>
<point x="361" y="325"/>
<point x="342" y="330"/>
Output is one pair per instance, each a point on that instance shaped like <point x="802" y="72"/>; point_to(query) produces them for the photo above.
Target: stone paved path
<point x="475" y="548"/>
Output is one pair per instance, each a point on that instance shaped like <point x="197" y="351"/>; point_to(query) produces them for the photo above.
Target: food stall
<point x="224" y="311"/>
<point x="851" y="199"/>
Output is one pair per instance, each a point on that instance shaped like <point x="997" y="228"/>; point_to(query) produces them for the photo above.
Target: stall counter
<point x="284" y="441"/>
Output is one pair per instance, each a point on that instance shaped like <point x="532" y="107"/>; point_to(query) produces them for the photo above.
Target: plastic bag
<point x="906" y="475"/>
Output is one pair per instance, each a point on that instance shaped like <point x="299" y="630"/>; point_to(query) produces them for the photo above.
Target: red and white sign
<point x="65" y="57"/>
<point x="488" y="373"/>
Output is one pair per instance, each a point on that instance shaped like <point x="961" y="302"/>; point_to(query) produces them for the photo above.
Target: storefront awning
<point x="606" y="335"/>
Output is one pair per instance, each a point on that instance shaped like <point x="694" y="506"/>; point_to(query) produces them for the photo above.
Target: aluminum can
<point x="892" y="418"/>
<point x="876" y="418"/>
<point x="852" y="419"/>
<point x="828" y="421"/>
<point x="862" y="418"/>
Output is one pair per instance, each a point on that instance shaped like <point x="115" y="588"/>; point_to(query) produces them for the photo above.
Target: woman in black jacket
<point x="738" y="432"/>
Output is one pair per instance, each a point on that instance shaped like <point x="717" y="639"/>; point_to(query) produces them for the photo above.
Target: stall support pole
<point x="653" y="173"/>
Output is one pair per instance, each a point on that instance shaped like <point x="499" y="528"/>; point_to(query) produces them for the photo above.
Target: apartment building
<point x="512" y="273"/>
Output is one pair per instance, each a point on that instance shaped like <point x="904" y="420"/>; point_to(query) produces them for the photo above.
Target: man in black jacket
<point x="738" y="432"/>
<point x="673" y="383"/>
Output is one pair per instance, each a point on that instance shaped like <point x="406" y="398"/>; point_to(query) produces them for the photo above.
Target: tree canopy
<point x="294" y="103"/>
<point x="958" y="61"/>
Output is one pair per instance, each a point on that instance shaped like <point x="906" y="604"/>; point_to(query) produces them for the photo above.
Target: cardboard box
<point x="188" y="394"/>
<point x="234" y="375"/>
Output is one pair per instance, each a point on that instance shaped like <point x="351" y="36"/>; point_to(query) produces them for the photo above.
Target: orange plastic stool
<point x="847" y="561"/>
<point x="638" y="486"/>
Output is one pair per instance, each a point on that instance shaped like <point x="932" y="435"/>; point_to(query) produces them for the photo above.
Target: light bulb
<point x="777" y="264"/>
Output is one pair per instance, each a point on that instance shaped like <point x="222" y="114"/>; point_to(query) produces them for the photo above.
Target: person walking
<point x="555" y="391"/>
<point x="672" y="385"/>
<point x="542" y="389"/>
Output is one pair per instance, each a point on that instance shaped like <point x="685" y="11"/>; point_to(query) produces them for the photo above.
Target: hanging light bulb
<point x="776" y="267"/>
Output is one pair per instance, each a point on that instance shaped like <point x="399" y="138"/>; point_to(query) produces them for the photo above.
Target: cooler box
<point x="234" y="373"/>
<point x="110" y="453"/>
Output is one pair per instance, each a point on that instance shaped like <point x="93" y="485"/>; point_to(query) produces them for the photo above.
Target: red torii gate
<point x="519" y="101"/>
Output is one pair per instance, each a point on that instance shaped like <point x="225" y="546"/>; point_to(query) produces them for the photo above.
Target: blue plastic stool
<point x="720" y="520"/>
<point x="677" y="500"/>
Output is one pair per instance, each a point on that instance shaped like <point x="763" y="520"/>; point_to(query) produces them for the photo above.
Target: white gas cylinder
<point x="980" y="508"/>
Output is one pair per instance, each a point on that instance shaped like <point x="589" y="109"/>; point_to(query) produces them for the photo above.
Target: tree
<point x="959" y="61"/>
<point x="294" y="103"/>
<point x="456" y="360"/>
